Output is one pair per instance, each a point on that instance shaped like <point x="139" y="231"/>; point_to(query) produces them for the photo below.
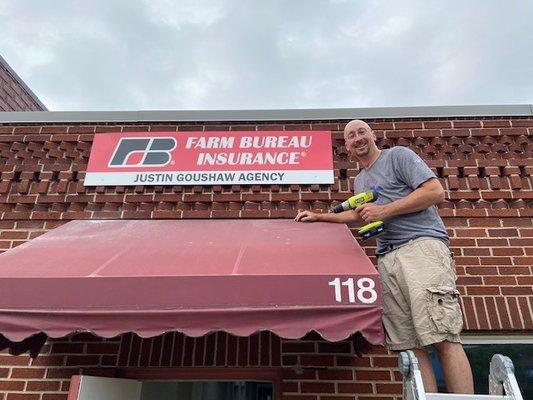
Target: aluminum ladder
<point x="502" y="382"/>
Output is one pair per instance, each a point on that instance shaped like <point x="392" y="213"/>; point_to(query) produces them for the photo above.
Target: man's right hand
<point x="344" y="217"/>
<point x="306" y="216"/>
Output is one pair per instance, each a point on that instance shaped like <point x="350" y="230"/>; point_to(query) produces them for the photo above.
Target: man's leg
<point x="426" y="369"/>
<point x="455" y="367"/>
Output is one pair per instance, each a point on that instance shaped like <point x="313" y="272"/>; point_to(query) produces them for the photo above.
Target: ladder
<point x="502" y="382"/>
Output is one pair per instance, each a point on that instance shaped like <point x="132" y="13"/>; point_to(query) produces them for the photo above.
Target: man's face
<point x="359" y="139"/>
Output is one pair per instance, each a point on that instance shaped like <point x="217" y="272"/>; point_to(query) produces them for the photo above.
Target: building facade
<point x="483" y="156"/>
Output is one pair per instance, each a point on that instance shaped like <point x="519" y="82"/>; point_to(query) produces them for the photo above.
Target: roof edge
<point x="23" y="84"/>
<point x="505" y="110"/>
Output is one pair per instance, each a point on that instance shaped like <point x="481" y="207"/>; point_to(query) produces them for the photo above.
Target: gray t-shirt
<point x="396" y="173"/>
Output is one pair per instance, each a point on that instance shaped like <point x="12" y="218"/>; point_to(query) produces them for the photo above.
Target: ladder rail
<point x="502" y="381"/>
<point x="502" y="378"/>
<point x="453" y="396"/>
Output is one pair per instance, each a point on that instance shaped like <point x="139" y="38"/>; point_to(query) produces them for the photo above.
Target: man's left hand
<point x="373" y="212"/>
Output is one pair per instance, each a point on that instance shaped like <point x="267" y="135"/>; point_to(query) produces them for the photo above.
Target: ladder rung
<point x="450" y="396"/>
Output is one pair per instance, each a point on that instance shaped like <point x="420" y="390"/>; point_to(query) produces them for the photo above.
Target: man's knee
<point x="447" y="347"/>
<point x="422" y="350"/>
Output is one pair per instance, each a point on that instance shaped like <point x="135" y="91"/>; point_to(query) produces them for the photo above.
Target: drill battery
<point x="370" y="230"/>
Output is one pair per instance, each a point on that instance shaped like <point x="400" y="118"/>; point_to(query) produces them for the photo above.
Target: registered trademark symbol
<point x="172" y="162"/>
<point x="304" y="153"/>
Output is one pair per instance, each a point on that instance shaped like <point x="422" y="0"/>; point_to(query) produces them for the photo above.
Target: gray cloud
<point x="164" y="54"/>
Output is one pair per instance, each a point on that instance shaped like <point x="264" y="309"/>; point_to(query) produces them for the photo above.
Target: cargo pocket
<point x="444" y="309"/>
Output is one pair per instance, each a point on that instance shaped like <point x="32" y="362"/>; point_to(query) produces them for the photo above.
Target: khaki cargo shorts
<point x="420" y="300"/>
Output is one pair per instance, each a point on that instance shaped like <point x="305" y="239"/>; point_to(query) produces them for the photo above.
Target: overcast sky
<point x="166" y="54"/>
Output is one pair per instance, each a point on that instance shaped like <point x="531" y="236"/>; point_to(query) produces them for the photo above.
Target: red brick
<point x="525" y="280"/>
<point x="492" y="313"/>
<point x="482" y="290"/>
<point x="379" y="125"/>
<point x="437" y="124"/>
<point x="317" y="387"/>
<point x="522" y="122"/>
<point x="512" y="270"/>
<point x="14" y="235"/>
<point x="82" y="360"/>
<point x="408" y="125"/>
<point x="102" y="348"/>
<point x="27" y="129"/>
<point x="503" y="313"/>
<point x="484" y="222"/>
<point x="336" y="347"/>
<point x="45" y="360"/>
<point x="81" y="129"/>
<point x="469" y="280"/>
<point x="298" y="347"/>
<point x="481" y="313"/>
<point x="199" y="352"/>
<point x="253" y="356"/>
<point x="6" y="385"/>
<point x="492" y="242"/>
<point x="509" y="251"/>
<point x="287" y="387"/>
<point x="391" y="388"/>
<point x="335" y="375"/>
<point x="353" y="361"/>
<point x="50" y="396"/>
<point x="20" y="396"/>
<point x="14" y="360"/>
<point x="29" y="373"/>
<point x="377" y="397"/>
<point x="455" y="133"/>
<point x="523" y="260"/>
<point x="317" y="360"/>
<point x="61" y="373"/>
<point x="496" y="261"/>
<point x="355" y="388"/>
<point x="476" y="251"/>
<point x="499" y="280"/>
<point x="466" y="124"/>
<point x="398" y="134"/>
<point x="372" y="375"/>
<point x="526" y="313"/>
<point x="473" y="233"/>
<point x="43" y="386"/>
<point x="496" y="123"/>
<point x="384" y="361"/>
<point x="518" y="291"/>
<point x="514" y="313"/>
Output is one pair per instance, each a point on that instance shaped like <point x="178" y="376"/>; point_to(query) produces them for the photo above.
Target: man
<point x="417" y="272"/>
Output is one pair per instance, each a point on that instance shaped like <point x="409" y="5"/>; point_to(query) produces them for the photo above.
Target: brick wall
<point x="311" y="368"/>
<point x="485" y="165"/>
<point x="13" y="95"/>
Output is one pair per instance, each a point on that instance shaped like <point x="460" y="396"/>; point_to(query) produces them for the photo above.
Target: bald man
<point x="417" y="271"/>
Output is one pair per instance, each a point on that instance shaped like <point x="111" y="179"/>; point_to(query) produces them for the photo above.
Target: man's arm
<point x="426" y="195"/>
<point x="344" y="217"/>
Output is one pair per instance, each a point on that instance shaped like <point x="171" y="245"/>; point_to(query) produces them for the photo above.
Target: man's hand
<point x="306" y="216"/>
<point x="373" y="212"/>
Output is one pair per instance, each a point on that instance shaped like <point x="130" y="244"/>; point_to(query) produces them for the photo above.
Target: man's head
<point x="359" y="139"/>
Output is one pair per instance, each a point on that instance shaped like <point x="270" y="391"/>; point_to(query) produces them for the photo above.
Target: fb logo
<point x="137" y="152"/>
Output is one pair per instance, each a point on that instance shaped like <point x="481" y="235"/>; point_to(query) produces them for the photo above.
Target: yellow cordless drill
<point x="369" y="230"/>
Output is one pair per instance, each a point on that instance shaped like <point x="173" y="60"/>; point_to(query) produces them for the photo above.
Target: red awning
<point x="192" y="276"/>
